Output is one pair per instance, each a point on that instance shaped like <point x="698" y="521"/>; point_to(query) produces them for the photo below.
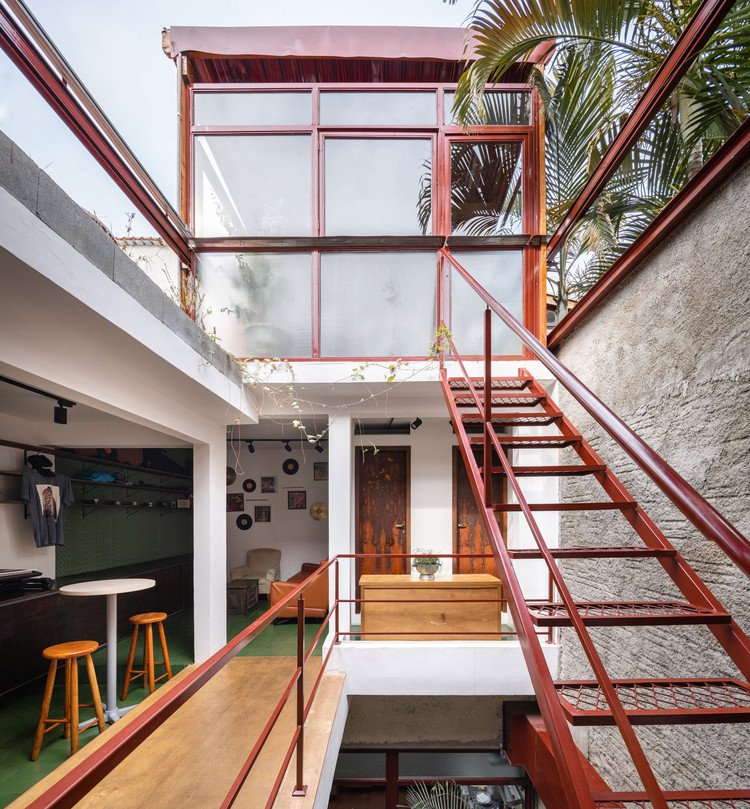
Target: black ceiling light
<point x="318" y="447"/>
<point x="416" y="423"/>
<point x="61" y="414"/>
<point x="287" y="446"/>
<point x="250" y="447"/>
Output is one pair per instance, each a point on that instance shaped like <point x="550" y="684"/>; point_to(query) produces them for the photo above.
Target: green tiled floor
<point x="19" y="710"/>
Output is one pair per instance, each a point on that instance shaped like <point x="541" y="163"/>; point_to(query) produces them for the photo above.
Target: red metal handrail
<point x="710" y="522"/>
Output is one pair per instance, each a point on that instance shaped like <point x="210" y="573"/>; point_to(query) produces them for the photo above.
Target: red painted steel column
<point x="300" y="789"/>
<point x="391" y="779"/>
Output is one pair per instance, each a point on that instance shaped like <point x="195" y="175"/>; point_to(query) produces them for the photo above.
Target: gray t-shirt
<point x="49" y="498"/>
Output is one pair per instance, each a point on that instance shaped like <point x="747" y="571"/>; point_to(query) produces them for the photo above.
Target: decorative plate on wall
<point x="249" y="485"/>
<point x="319" y="510"/>
<point x="231" y="476"/>
<point x="244" y="521"/>
<point x="290" y="466"/>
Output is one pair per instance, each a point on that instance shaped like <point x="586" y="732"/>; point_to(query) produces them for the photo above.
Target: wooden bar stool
<point x="147" y="620"/>
<point x="70" y="653"/>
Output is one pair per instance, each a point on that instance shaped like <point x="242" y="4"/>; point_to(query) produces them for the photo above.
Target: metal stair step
<point x="682" y="799"/>
<point x="498" y="383"/>
<point x="593" y="552"/>
<point x="658" y="701"/>
<point x="626" y="613"/>
<point x="608" y="505"/>
<point x="550" y="471"/>
<point x="499" y="399"/>
<point x="511" y="419"/>
<point x="533" y="441"/>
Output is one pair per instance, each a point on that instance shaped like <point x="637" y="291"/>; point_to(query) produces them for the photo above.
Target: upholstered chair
<point x="263" y="564"/>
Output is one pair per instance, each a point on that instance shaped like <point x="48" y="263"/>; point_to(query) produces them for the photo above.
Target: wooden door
<point x="382" y="508"/>
<point x="469" y="535"/>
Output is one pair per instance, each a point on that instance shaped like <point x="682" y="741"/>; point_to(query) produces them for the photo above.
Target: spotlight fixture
<point x="60" y="413"/>
<point x="416" y="423"/>
<point x="318" y="447"/>
<point x="287" y="446"/>
<point x="250" y="447"/>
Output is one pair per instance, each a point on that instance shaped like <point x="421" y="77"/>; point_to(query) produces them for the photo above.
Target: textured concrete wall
<point x="670" y="353"/>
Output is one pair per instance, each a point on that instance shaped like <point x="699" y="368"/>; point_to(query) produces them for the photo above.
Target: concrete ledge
<point x="37" y="192"/>
<point x="436" y="667"/>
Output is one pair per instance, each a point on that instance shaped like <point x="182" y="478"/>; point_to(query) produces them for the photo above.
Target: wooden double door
<point x="382" y="484"/>
<point x="469" y="535"/>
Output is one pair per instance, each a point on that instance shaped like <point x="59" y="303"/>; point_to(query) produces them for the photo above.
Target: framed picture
<point x="296" y="500"/>
<point x="263" y="514"/>
<point x="320" y="470"/>
<point x="235" y="502"/>
<point x="268" y="485"/>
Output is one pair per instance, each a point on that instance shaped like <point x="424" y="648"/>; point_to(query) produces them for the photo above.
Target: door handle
<point x="400" y="525"/>
<point x="461" y="525"/>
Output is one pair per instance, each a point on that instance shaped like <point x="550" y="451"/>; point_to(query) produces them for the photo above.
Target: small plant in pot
<point x="426" y="564"/>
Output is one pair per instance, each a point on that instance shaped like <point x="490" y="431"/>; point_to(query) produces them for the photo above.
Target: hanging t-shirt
<point x="49" y="498"/>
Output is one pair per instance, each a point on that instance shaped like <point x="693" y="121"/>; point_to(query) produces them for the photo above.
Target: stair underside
<point x="573" y="470"/>
<point x="625" y="613"/>
<point x="658" y="701"/>
<point x="607" y="505"/>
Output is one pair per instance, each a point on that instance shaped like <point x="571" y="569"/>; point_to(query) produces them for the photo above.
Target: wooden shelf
<point x="131" y="486"/>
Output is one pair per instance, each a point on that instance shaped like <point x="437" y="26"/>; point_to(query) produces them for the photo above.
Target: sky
<point x="115" y="49"/>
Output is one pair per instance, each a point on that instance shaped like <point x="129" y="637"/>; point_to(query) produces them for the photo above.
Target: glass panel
<point x="259" y="304"/>
<point x="486" y="188"/>
<point x="500" y="272"/>
<point x="378" y="187"/>
<point x="377" y="304"/>
<point x="386" y="109"/>
<point x="500" y="109"/>
<point x="252" y="109"/>
<point x="253" y="185"/>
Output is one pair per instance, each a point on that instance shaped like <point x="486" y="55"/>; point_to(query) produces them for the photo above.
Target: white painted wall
<point x="295" y="532"/>
<point x="17" y="546"/>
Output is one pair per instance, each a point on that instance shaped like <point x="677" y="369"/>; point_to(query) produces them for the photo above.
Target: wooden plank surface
<point x="439" y="610"/>
<point x="193" y="758"/>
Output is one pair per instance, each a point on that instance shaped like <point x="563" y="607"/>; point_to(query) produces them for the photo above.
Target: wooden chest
<point x="242" y="596"/>
<point x="452" y="607"/>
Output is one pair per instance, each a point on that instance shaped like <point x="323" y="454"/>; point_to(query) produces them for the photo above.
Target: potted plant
<point x="426" y="564"/>
<point x="445" y="795"/>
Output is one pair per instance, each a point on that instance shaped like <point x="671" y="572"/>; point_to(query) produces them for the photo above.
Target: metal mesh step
<point x="656" y="702"/>
<point x="628" y="613"/>
<point x="509" y="419"/>
<point x="534" y="441"/>
<point x="714" y="799"/>
<point x="593" y="552"/>
<point x="499" y="399"/>
<point x="498" y="383"/>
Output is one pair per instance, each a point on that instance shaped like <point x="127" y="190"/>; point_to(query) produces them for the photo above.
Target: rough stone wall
<point x="669" y="351"/>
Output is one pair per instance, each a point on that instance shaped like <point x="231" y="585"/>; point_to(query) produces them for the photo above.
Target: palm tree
<point x="604" y="55"/>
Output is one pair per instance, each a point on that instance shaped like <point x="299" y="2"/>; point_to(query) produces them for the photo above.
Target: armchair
<point x="263" y="564"/>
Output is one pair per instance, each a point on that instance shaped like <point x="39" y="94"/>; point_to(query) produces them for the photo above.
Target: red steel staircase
<point x="491" y="417"/>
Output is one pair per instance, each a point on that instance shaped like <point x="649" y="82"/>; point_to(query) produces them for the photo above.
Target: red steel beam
<point x="696" y="34"/>
<point x="33" y="53"/>
<point x="713" y="174"/>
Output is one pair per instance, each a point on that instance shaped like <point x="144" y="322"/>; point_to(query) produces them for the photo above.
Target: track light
<point x="250" y="447"/>
<point x="287" y="446"/>
<point x="60" y="413"/>
<point x="416" y="423"/>
<point x="318" y="447"/>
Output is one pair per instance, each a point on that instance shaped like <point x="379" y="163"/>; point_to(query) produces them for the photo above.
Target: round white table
<point x="110" y="588"/>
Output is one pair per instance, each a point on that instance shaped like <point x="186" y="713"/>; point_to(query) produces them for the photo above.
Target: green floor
<point x="19" y="710"/>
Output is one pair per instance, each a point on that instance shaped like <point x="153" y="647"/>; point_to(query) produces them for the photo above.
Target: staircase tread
<point x="676" y="799"/>
<point x="497" y="383"/>
<point x="658" y="700"/>
<point x="540" y="441"/>
<point x="500" y="399"/>
<point x="592" y="551"/>
<point x="550" y="471"/>
<point x="604" y="613"/>
<point x="512" y="418"/>
<point x="606" y="505"/>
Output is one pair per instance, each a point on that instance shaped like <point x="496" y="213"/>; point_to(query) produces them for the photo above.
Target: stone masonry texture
<point x="669" y="352"/>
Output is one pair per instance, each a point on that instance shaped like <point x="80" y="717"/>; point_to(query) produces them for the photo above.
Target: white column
<point x="210" y="545"/>
<point x="341" y="509"/>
